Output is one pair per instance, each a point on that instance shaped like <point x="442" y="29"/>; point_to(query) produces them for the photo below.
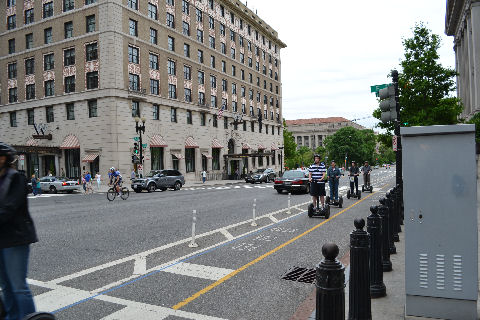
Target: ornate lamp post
<point x="140" y="129"/>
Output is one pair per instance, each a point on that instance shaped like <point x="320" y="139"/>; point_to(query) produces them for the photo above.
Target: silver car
<point x="159" y="179"/>
<point x="56" y="184"/>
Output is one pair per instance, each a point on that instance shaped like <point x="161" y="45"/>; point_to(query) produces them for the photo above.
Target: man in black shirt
<point x="354" y="172"/>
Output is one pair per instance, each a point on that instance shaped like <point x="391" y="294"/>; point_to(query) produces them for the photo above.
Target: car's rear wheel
<point x="151" y="187"/>
<point x="138" y="190"/>
<point x="177" y="186"/>
<point x="53" y="189"/>
<point x="307" y="189"/>
<point x="279" y="191"/>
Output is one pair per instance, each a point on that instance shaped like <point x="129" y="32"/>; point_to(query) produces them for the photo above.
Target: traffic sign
<point x="394" y="143"/>
<point x="377" y="88"/>
<point x="136" y="138"/>
<point x="144" y="145"/>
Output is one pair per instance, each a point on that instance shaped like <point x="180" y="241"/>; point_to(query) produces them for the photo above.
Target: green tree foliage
<point x="425" y="85"/>
<point x="476" y="120"/>
<point x="290" y="147"/>
<point x="358" y="145"/>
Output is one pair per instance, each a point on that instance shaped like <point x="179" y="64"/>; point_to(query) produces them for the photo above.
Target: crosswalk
<point x="47" y="195"/>
<point x="266" y="186"/>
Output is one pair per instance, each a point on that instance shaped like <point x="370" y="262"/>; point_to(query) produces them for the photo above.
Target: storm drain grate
<point x="299" y="274"/>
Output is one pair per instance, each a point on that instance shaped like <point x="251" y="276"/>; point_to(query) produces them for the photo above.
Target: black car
<point x="262" y="175"/>
<point x="159" y="179"/>
<point x="292" y="181"/>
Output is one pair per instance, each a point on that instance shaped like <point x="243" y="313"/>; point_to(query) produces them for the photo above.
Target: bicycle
<point x="112" y="193"/>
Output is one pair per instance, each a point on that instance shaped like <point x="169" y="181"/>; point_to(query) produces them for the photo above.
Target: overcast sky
<point x="337" y="49"/>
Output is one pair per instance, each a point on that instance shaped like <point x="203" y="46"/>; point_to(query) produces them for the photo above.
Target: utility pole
<point x="140" y="129"/>
<point x="398" y="155"/>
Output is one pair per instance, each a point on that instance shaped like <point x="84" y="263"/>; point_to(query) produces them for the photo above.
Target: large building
<point x="204" y="76"/>
<point x="312" y="132"/>
<point x="462" y="21"/>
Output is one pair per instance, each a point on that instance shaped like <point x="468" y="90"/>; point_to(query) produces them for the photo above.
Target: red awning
<point x="190" y="143"/>
<point x="216" y="144"/>
<point x="206" y="155"/>
<point x="246" y="146"/>
<point x="32" y="142"/>
<point x="157" y="142"/>
<point x="179" y="156"/>
<point x="70" y="142"/>
<point x="261" y="147"/>
<point x="274" y="147"/>
<point x="90" y="157"/>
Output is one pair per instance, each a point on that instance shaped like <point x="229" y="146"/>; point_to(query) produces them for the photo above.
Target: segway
<point x="317" y="211"/>
<point x="333" y="202"/>
<point x="357" y="194"/>
<point x="368" y="187"/>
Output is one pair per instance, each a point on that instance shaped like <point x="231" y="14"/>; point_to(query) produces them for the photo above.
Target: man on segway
<point x="316" y="175"/>
<point x="366" y="177"/>
<point x="354" y="172"/>
<point x="333" y="174"/>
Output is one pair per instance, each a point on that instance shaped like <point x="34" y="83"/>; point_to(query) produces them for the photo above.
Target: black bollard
<point x="398" y="195"/>
<point x="383" y="213"/>
<point x="359" y="283"/>
<point x="330" y="285"/>
<point x="374" y="229"/>
<point x="393" y="199"/>
<point x="393" y="249"/>
<point x="396" y="199"/>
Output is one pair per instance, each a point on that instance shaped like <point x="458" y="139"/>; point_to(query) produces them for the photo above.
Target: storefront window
<point x="72" y="163"/>
<point x="190" y="159"/>
<point x="216" y="159"/>
<point x="157" y="158"/>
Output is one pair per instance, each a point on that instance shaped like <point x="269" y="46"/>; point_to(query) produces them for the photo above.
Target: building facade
<point x="204" y="76"/>
<point x="462" y="21"/>
<point x="311" y="133"/>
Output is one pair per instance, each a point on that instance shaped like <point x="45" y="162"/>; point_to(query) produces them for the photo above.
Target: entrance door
<point x="95" y="166"/>
<point x="49" y="165"/>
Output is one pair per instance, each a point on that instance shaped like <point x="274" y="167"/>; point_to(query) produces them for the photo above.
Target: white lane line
<point x="248" y="187"/>
<point x="59" y="298"/>
<point x="198" y="271"/>
<point x="275" y="220"/>
<point x="227" y="234"/>
<point x="236" y="187"/>
<point x="134" y="313"/>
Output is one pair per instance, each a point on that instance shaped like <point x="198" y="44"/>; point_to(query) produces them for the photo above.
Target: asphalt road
<point x="132" y="260"/>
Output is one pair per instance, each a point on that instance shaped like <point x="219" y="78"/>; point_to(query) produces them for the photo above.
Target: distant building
<point x="462" y="20"/>
<point x="312" y="132"/>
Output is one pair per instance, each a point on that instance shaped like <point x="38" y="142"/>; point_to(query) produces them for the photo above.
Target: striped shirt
<point x="317" y="171"/>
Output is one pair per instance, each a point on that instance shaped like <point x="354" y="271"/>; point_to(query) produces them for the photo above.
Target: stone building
<point x="312" y="132"/>
<point x="462" y="21"/>
<point x="204" y="76"/>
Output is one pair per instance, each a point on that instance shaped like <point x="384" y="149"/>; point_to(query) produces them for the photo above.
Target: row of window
<point x="50" y="115"/>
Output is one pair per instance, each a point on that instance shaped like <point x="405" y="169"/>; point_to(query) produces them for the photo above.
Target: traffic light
<point x="388" y="104"/>
<point x="135" y="148"/>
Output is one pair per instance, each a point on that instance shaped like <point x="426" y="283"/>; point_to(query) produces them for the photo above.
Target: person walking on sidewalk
<point x="34" y="185"/>
<point x="98" y="177"/>
<point x="204" y="176"/>
<point x="17" y="232"/>
<point x="333" y="174"/>
<point x="88" y="183"/>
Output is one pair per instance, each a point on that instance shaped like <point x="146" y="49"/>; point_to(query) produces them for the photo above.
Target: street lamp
<point x="140" y="129"/>
<point x="281" y="158"/>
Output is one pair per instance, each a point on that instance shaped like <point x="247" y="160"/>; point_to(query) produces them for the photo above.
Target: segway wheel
<point x="327" y="211"/>
<point x="359" y="194"/>
<point x="327" y="199"/>
<point x="340" y="202"/>
<point x="310" y="210"/>
<point x="371" y="189"/>
<point x="348" y="194"/>
<point x="363" y="189"/>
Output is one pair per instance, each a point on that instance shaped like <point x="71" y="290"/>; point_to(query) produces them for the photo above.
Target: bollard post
<point x="396" y="204"/>
<point x="289" y="195"/>
<point x="398" y="198"/>
<point x="254" y="224"/>
<point x="393" y="248"/>
<point x="393" y="199"/>
<point x="193" y="244"/>
<point x="330" y="275"/>
<point x="359" y="283"/>
<point x="374" y="229"/>
<point x="383" y="212"/>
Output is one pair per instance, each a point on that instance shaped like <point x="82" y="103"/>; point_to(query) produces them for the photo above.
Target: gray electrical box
<point x="440" y="201"/>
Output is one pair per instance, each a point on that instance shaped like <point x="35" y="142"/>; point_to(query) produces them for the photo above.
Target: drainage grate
<point x="299" y="274"/>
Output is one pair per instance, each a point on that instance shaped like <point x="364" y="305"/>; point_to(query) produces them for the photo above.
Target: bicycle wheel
<point x="125" y="193"/>
<point x="111" y="194"/>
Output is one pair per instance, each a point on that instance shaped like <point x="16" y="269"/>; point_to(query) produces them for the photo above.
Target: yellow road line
<point x="251" y="263"/>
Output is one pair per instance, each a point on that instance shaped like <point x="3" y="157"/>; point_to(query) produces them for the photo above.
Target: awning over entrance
<point x="32" y="142"/>
<point x="190" y="143"/>
<point x="261" y="147"/>
<point x="90" y="157"/>
<point x="246" y="146"/>
<point x="157" y="142"/>
<point x="70" y="142"/>
<point x="179" y="156"/>
<point x="216" y="144"/>
<point x="274" y="147"/>
<point x="206" y="155"/>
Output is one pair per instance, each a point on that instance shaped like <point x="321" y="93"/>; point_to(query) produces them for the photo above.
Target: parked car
<point x="159" y="179"/>
<point x="292" y="181"/>
<point x="261" y="175"/>
<point x="58" y="184"/>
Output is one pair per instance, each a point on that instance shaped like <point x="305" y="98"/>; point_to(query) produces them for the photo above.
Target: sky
<point x="336" y="50"/>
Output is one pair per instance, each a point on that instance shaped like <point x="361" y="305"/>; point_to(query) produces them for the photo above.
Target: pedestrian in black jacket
<point x="17" y="232"/>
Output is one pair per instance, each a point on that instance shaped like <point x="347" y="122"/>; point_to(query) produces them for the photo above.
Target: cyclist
<point x="116" y="179"/>
<point x="333" y="174"/>
<point x="316" y="176"/>
<point x="354" y="172"/>
<point x="366" y="174"/>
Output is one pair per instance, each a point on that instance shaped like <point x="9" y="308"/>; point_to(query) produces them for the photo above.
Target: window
<point x="156" y="112"/>
<point x="257" y="66"/>
<point x="11" y="3"/>
<point x="133" y="82"/>
<point x="170" y="20"/>
<point x="244" y="125"/>
<point x="11" y="46"/>
<point x="264" y="84"/>
<point x="69" y="57"/>
<point x="200" y="56"/>
<point x="49" y="113"/>
<point x="213" y="101"/>
<point x="250" y="78"/>
<point x="189" y="117"/>
<point x="215" y="159"/>
<point x="250" y="61"/>
<point x="223" y="48"/>
<point x="47" y="35"/>
<point x="199" y="15"/>
<point x="258" y="83"/>
<point x="133" y="30"/>
<point x="47" y="10"/>
<point x="213" y="81"/>
<point x="173" y="115"/>
<point x="264" y="70"/>
<point x="69" y="84"/>
<point x="201" y="77"/>
<point x="133" y="4"/>
<point x="234" y="88"/>
<point x="11" y="22"/>
<point x="70" y="111"/>
<point x="186" y="50"/>
<point x="251" y="111"/>
<point x="225" y="122"/>
<point x="29" y="18"/>
<point x="185" y="7"/>
<point x="154" y="86"/>
<point x="12" y="70"/>
<point x="29" y="41"/>
<point x="152" y="11"/>
<point x="222" y="29"/>
<point x="90" y="23"/>
<point x="92" y="108"/>
<point x="201" y="98"/>
<point x="29" y="66"/>
<point x="232" y="18"/>
<point x="135" y="109"/>
<point x="232" y="35"/>
<point x="12" y="95"/>
<point x="186" y="28"/>
<point x="212" y="62"/>
<point x="171" y="43"/>
<point x="68" y="29"/>
<point x="203" y="119"/>
<point x="190" y="159"/>
<point x="200" y="35"/>
<point x="92" y="80"/>
<point x="187" y="72"/>
<point x="234" y="106"/>
<point x="234" y="71"/>
<point x="222" y="11"/>
<point x="211" y="22"/>
<point x="91" y="51"/>
<point x="49" y="88"/>
<point x="242" y="74"/>
<point x="171" y="67"/>
<point x="188" y="94"/>
<point x="215" y="121"/>
<point x="170" y="2"/>
<point x="30" y="116"/>
<point x="13" y="119"/>
<point x="232" y="53"/>
<point x="153" y="58"/>
<point x="68" y="5"/>
<point x="224" y="85"/>
<point x="224" y="103"/>
<point x="133" y="54"/>
<point x="153" y="36"/>
<point x="256" y="35"/>
<point x="242" y="58"/>
<point x="211" y="41"/>
<point x="87" y="2"/>
<point x="240" y="38"/>
<point x="172" y="91"/>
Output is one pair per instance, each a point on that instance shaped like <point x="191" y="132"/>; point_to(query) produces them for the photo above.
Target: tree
<point x="289" y="147"/>
<point x="425" y="86"/>
<point x="351" y="143"/>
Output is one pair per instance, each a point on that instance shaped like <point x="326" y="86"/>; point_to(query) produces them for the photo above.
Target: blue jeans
<point x="17" y="297"/>
<point x="333" y="184"/>
<point x="203" y="179"/>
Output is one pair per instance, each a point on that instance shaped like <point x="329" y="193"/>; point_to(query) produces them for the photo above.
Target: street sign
<point x="394" y="143"/>
<point x="136" y="139"/>
<point x="377" y="88"/>
<point x="144" y="145"/>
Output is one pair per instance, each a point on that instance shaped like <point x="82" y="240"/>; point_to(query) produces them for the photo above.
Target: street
<point x="131" y="259"/>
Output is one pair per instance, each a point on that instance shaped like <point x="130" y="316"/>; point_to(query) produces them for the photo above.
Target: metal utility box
<point x="440" y="201"/>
